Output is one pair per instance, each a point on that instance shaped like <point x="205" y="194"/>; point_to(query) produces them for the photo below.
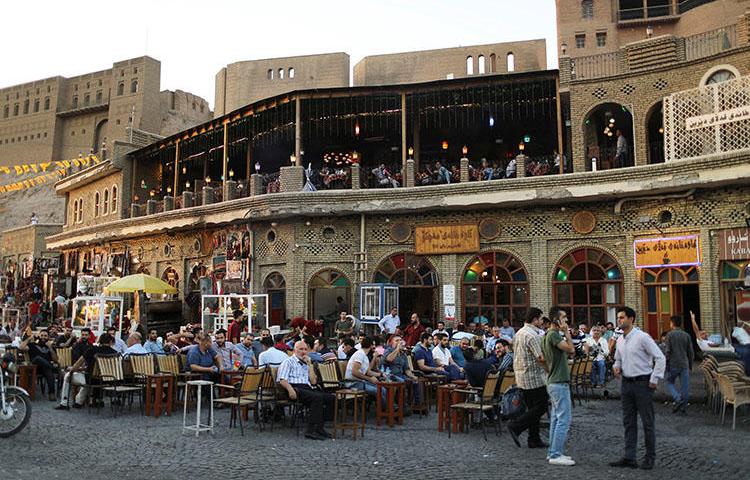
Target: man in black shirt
<point x="65" y="339"/>
<point x="85" y="361"/>
<point x="42" y="354"/>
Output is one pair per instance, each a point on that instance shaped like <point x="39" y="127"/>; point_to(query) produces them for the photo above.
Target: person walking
<point x="640" y="363"/>
<point x="530" y="378"/>
<point x="556" y="346"/>
<point x="679" y="363"/>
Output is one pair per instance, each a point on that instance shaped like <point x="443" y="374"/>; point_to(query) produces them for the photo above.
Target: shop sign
<point x="734" y="244"/>
<point x="738" y="114"/>
<point x="437" y="239"/>
<point x="667" y="252"/>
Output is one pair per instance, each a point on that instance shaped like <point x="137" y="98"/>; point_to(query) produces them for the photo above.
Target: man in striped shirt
<point x="297" y="376"/>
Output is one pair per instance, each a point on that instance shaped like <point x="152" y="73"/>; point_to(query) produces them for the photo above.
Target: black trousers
<point x="48" y="371"/>
<point x="638" y="399"/>
<point x="319" y="403"/>
<point x="536" y="401"/>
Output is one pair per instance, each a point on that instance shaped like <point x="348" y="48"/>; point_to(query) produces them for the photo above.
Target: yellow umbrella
<point x="141" y="283"/>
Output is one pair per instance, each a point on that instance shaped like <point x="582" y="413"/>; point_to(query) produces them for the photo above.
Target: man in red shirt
<point x="313" y="328"/>
<point x="413" y="331"/>
<point x="235" y="328"/>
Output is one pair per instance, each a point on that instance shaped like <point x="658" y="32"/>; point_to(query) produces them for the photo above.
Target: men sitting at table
<point x="42" y="354"/>
<point x="346" y="349"/>
<point x="153" y="343"/>
<point x="203" y="358"/>
<point x="423" y="356"/>
<point x="457" y="352"/>
<point x="65" y="339"/>
<point x="397" y="364"/>
<point x="134" y="345"/>
<point x="322" y="351"/>
<point x="441" y="354"/>
<point x="245" y="349"/>
<point x="297" y="376"/>
<point x="501" y="360"/>
<point x="257" y="345"/>
<point x="227" y="350"/>
<point x="120" y="345"/>
<point x="358" y="373"/>
<point x="271" y="355"/>
<point x="84" y="363"/>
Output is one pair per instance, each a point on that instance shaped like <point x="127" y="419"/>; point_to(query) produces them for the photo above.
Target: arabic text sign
<point x="667" y="252"/>
<point x="734" y="244"/>
<point x="718" y="118"/>
<point x="447" y="239"/>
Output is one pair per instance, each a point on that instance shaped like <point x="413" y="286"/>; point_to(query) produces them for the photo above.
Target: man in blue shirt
<point x="246" y="349"/>
<point x="203" y="359"/>
<point x="457" y="352"/>
<point x="153" y="344"/>
<point x="507" y="331"/>
<point x="423" y="356"/>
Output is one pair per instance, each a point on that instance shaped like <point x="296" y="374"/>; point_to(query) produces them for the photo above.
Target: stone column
<point x="256" y="184"/>
<point x="521" y="166"/>
<point x="168" y="203"/>
<point x="292" y="179"/>
<point x="230" y="190"/>
<point x="408" y="177"/>
<point x="566" y="70"/>
<point x="188" y="199"/>
<point x="150" y="207"/>
<point x="464" y="170"/>
<point x="208" y="195"/>
<point x="356" y="183"/>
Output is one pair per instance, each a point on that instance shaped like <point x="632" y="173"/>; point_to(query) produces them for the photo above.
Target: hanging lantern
<point x="492" y="121"/>
<point x="411" y="152"/>
<point x="445" y="144"/>
<point x="231" y="173"/>
<point x="187" y="184"/>
<point x="356" y="128"/>
<point x="184" y="170"/>
<point x="208" y="179"/>
<point x="169" y="189"/>
<point x="257" y="167"/>
<point x="293" y="159"/>
<point x="521" y="147"/>
<point x="465" y="150"/>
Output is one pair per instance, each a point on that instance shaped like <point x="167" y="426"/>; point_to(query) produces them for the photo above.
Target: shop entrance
<point x="417" y="300"/>
<point x="417" y="283"/>
<point x="670" y="291"/>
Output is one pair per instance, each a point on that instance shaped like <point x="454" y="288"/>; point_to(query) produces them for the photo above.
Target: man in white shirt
<point x="441" y="354"/>
<point x="134" y="345"/>
<point x="440" y="328"/>
<point x="641" y="364"/>
<point x="389" y="323"/>
<point x="270" y="355"/>
<point x="119" y="345"/>
<point x="358" y="374"/>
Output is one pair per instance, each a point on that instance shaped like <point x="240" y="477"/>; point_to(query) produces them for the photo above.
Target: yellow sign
<point x="447" y="239"/>
<point x="667" y="252"/>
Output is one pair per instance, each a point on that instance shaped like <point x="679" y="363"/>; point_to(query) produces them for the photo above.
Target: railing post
<point x="521" y="165"/>
<point x="188" y="199"/>
<point x="464" y="170"/>
<point x="230" y="190"/>
<point x="150" y="206"/>
<point x="291" y="179"/>
<point x="168" y="203"/>
<point x="256" y="184"/>
<point x="208" y="195"/>
<point x="408" y="177"/>
<point x="356" y="185"/>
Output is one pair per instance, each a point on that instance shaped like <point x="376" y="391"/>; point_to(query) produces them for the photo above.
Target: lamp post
<point x="564" y="48"/>
<point x="649" y="31"/>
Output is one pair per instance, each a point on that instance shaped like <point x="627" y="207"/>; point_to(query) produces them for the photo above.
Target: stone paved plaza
<point x="83" y="444"/>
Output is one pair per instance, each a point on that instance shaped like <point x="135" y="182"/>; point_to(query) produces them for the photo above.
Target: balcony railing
<point x="595" y="66"/>
<point x="710" y="43"/>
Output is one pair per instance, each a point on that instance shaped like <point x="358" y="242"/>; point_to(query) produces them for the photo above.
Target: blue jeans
<point x="684" y="375"/>
<point x="559" y="425"/>
<point x="597" y="372"/>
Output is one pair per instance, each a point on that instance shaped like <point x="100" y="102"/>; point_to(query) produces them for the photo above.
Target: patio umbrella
<point x="140" y="283"/>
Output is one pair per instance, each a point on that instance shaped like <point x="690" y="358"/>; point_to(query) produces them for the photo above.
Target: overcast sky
<point x="194" y="39"/>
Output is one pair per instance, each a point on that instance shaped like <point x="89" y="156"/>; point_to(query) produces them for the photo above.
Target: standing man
<point x="530" y="377"/>
<point x="641" y="364"/>
<point x="413" y="331"/>
<point x="556" y="346"/>
<point x="389" y="323"/>
<point x="598" y="348"/>
<point x="621" y="153"/>
<point x="680" y="363"/>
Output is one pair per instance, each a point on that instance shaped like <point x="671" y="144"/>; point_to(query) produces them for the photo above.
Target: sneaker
<point x="563" y="456"/>
<point x="624" y="463"/>
<point x="563" y="461"/>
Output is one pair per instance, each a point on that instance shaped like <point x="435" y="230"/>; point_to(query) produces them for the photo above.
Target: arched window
<point x="74" y="211"/>
<point x="120" y="88"/>
<point x="99" y="97"/>
<point x="511" y="59"/>
<point x="114" y="198"/>
<point x="269" y="74"/>
<point x="80" y="210"/>
<point x="36" y="105"/>
<point x="493" y="63"/>
<point x="587" y="9"/>
<point x="496" y="288"/>
<point x="719" y="76"/>
<point x="406" y="269"/>
<point x="588" y="283"/>
<point x="46" y="103"/>
<point x="105" y="204"/>
<point x="325" y="288"/>
<point x="291" y="72"/>
<point x="469" y="65"/>
<point x="281" y="74"/>
<point x="134" y="86"/>
<point x="96" y="204"/>
<point x="481" y="65"/>
<point x="75" y="102"/>
<point x="86" y="99"/>
<point x="6" y="111"/>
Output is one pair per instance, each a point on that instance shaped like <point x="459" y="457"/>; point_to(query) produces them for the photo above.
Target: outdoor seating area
<point x="727" y="385"/>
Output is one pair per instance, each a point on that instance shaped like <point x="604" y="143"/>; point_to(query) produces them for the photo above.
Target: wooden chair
<point x="64" y="360"/>
<point x="271" y="397"/>
<point x="509" y="379"/>
<point x="342" y="367"/>
<point x="245" y="395"/>
<point x="733" y="395"/>
<point x="488" y="401"/>
<point x="110" y="372"/>
<point x="328" y="376"/>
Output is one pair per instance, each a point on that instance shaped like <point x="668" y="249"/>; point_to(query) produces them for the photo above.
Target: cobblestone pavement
<point x="87" y="445"/>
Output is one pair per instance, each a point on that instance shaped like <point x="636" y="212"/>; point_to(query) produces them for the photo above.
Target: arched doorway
<point x="669" y="291"/>
<point x="417" y="281"/>
<point x="600" y="128"/>
<point x="275" y="287"/>
<point x="655" y="134"/>
<point x="495" y="286"/>
<point x="100" y="133"/>
<point x="324" y="288"/>
<point x="587" y="282"/>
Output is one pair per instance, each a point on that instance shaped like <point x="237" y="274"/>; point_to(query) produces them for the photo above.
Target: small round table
<point x="393" y="392"/>
<point x="199" y="427"/>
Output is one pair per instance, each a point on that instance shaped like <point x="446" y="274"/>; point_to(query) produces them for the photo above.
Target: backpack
<point x="512" y="405"/>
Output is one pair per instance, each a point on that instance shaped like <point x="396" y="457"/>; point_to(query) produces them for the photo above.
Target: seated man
<point x="326" y="354"/>
<point x="346" y="349"/>
<point x="66" y="339"/>
<point x="507" y="330"/>
<point x="134" y="345"/>
<point x="245" y="349"/>
<point x="423" y="356"/>
<point x="443" y="358"/>
<point x="501" y="359"/>
<point x="297" y="376"/>
<point x="457" y="352"/>
<point x="597" y="348"/>
<point x="397" y="365"/>
<point x="716" y="349"/>
<point x="227" y="350"/>
<point x="120" y="345"/>
<point x="153" y="344"/>
<point x="84" y="363"/>
<point x="42" y="354"/>
<point x="203" y="359"/>
<point x="271" y="355"/>
<point x="358" y="374"/>
<point x="440" y="328"/>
